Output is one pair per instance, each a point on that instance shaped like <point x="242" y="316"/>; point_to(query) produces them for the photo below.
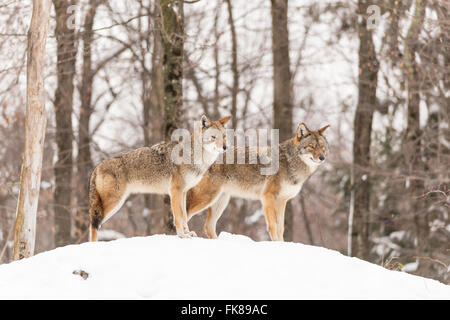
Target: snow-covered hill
<point x="232" y="267"/>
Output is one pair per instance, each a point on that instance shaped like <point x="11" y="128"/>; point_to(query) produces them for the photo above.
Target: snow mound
<point x="232" y="267"/>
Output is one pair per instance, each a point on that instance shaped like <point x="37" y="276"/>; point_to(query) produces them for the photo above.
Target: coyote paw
<point x="192" y="234"/>
<point x="189" y="234"/>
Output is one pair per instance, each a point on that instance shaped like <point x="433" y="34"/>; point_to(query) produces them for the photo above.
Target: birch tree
<point x="35" y="126"/>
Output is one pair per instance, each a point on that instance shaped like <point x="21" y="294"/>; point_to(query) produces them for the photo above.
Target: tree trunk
<point x="367" y="101"/>
<point x="172" y="38"/>
<point x="6" y="229"/>
<point x="215" y="114"/>
<point x="443" y="10"/>
<point x="234" y="67"/>
<point x="412" y="143"/>
<point x="282" y="94"/>
<point x="66" y="52"/>
<point x="153" y="108"/>
<point x="84" y="160"/>
<point x="35" y="126"/>
<point x="239" y="213"/>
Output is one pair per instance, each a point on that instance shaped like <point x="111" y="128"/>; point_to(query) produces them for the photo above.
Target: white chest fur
<point x="209" y="156"/>
<point x="290" y="190"/>
<point x="192" y="179"/>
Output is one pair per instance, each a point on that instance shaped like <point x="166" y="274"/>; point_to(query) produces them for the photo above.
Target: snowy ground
<point x="232" y="267"/>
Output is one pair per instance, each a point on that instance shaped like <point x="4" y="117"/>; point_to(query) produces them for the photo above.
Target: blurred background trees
<point x="123" y="74"/>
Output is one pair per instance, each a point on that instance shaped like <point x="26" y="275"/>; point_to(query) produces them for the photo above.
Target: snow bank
<point x="232" y="267"/>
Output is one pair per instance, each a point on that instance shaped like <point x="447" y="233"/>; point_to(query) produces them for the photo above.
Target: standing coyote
<point x="299" y="158"/>
<point x="152" y="170"/>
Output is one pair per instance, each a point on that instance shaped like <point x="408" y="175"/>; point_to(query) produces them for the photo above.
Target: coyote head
<point x="214" y="134"/>
<point x="312" y="146"/>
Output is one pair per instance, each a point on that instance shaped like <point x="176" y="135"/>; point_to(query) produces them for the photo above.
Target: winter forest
<point x="120" y="75"/>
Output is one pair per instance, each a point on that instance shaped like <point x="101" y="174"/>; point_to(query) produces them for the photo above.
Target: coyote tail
<point x="95" y="207"/>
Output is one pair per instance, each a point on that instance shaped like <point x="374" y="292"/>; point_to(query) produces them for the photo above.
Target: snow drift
<point x="232" y="267"/>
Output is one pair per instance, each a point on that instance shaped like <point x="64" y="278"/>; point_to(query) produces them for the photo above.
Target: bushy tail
<point x="95" y="208"/>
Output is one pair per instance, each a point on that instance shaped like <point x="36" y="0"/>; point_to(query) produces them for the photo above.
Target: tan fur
<point x="151" y="170"/>
<point x="299" y="158"/>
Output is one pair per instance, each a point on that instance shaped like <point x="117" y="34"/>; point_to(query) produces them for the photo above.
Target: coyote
<point x="151" y="170"/>
<point x="299" y="158"/>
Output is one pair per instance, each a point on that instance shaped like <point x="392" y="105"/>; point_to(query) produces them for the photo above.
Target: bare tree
<point x="367" y="101"/>
<point x="282" y="89"/>
<point x="63" y="103"/>
<point x="215" y="112"/>
<point x="35" y="123"/>
<point x="239" y="214"/>
<point x="413" y="136"/>
<point x="88" y="106"/>
<point x="234" y="65"/>
<point x="172" y="37"/>
<point x="84" y="161"/>
<point x="153" y="109"/>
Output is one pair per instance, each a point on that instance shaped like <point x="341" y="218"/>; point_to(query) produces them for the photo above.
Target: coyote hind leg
<point x="111" y="208"/>
<point x="214" y="214"/>
<point x="201" y="196"/>
<point x="104" y="202"/>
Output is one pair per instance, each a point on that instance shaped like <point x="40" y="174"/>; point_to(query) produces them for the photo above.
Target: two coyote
<point x="194" y="187"/>
<point x="152" y="170"/>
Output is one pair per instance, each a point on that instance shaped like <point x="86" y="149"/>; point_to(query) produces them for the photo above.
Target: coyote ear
<point x="323" y="129"/>
<point x="224" y="120"/>
<point x="302" y="130"/>
<point x="205" y="122"/>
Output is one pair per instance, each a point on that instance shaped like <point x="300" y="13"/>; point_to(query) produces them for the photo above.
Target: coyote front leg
<point x="280" y="208"/>
<point x="179" y="217"/>
<point x="268" y="202"/>
<point x="185" y="217"/>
